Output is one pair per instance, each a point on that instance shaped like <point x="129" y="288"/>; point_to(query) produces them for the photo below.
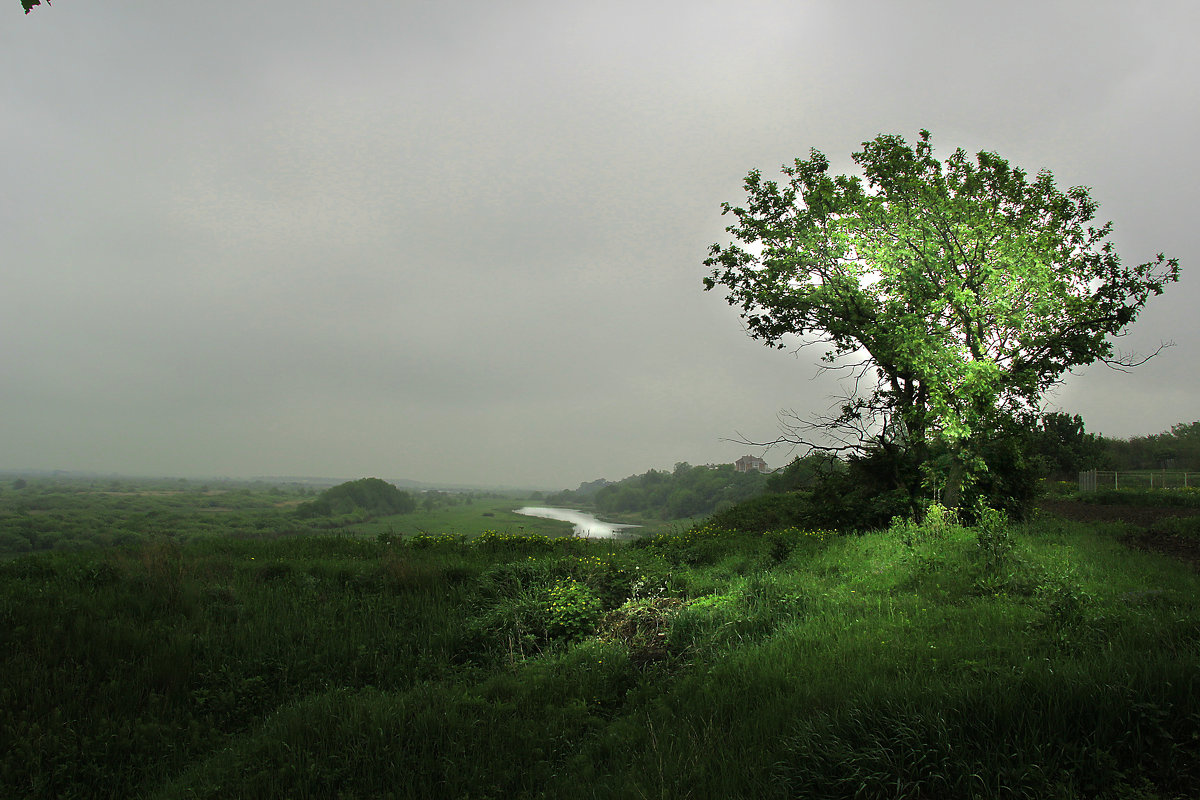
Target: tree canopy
<point x="956" y="292"/>
<point x="29" y="4"/>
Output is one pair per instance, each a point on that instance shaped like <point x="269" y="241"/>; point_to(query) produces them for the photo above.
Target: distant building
<point x="747" y="463"/>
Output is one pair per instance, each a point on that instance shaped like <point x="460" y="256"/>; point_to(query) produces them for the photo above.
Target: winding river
<point x="585" y="524"/>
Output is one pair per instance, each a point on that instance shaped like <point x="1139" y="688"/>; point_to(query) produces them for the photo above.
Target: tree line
<point x="847" y="488"/>
<point x="686" y="491"/>
<point x="1174" y="449"/>
<point x="1061" y="448"/>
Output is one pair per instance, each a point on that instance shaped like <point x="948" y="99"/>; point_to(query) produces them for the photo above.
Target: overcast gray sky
<point x="463" y="241"/>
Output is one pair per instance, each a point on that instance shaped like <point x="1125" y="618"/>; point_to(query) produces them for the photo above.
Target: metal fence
<point x="1095" y="479"/>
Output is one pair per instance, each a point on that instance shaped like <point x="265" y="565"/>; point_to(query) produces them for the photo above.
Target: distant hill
<point x="372" y="495"/>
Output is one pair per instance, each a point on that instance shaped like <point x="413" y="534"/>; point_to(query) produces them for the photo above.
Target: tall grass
<point x="929" y="660"/>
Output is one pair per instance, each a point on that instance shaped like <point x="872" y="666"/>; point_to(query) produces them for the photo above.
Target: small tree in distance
<point x="369" y="495"/>
<point x="957" y="293"/>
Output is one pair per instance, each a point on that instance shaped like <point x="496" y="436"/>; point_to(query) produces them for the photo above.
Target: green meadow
<point x="495" y="514"/>
<point x="925" y="661"/>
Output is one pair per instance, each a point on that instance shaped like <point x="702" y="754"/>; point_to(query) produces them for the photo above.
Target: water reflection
<point x="585" y="524"/>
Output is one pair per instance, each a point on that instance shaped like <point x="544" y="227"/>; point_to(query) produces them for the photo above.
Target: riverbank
<point x="649" y="525"/>
<point x="584" y="524"/>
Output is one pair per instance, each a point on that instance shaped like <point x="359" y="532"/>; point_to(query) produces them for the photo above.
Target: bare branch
<point x="1124" y="362"/>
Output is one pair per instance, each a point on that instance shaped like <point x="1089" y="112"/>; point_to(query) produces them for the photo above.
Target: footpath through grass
<point x="925" y="662"/>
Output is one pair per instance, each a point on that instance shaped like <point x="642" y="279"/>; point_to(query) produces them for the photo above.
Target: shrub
<point x="1063" y="600"/>
<point x="532" y="604"/>
<point x="642" y="625"/>
<point x="363" y="497"/>
<point x="766" y="513"/>
<point x="937" y="525"/>
<point x="993" y="538"/>
<point x="495" y="542"/>
<point x="573" y="610"/>
<point x="701" y="545"/>
<point x="422" y="541"/>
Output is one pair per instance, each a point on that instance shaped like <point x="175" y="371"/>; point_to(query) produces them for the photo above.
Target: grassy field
<point x="924" y="662"/>
<point x="496" y="514"/>
<point x="84" y="514"/>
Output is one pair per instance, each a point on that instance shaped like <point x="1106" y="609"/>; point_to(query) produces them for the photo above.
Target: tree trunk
<point x="952" y="497"/>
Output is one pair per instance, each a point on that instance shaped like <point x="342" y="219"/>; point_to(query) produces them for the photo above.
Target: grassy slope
<point x="702" y="665"/>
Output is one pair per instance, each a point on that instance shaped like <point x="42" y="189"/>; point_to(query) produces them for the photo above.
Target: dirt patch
<point x="1141" y="517"/>
<point x="1181" y="547"/>
<point x="1138" y="516"/>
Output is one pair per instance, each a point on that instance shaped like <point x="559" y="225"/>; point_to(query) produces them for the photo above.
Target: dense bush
<point x="804" y="472"/>
<point x="766" y="512"/>
<point x="370" y="496"/>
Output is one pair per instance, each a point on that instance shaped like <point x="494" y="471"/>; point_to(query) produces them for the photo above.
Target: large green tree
<point x="957" y="292"/>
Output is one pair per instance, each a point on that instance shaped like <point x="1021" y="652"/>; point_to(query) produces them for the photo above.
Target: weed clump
<point x="993" y="538"/>
<point x="572" y="609"/>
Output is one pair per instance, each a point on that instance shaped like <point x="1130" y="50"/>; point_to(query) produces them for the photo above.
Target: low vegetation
<point x="928" y="659"/>
<point x="63" y="513"/>
<point x="1171" y="498"/>
<point x="79" y="514"/>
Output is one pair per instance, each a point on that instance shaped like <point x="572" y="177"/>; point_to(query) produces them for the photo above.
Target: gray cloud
<point x="462" y="241"/>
